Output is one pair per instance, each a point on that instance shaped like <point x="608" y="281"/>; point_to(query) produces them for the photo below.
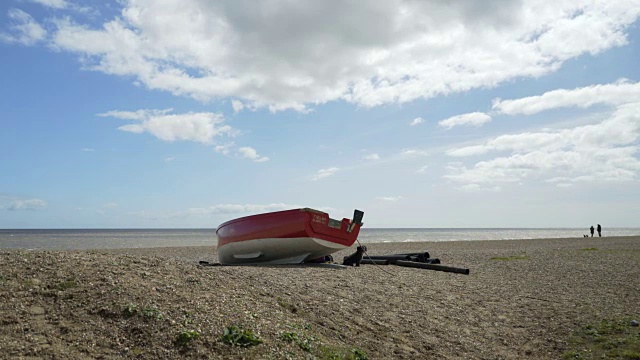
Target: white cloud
<point x="142" y="114"/>
<point x="237" y="105"/>
<point x="416" y="121"/>
<point x="422" y="170"/>
<point x="223" y="149"/>
<point x="250" y="153"/>
<point x="286" y="55"/>
<point x="26" y="204"/>
<point x="56" y="4"/>
<point x="169" y="159"/>
<point x="413" y="152"/>
<point x="389" y="198"/>
<point x="199" y="127"/>
<point x="23" y="29"/>
<point x="477" y="188"/>
<point x="87" y="150"/>
<point x="323" y="173"/>
<point x="606" y="151"/>
<point x="474" y="118"/>
<point x="110" y="205"/>
<point x="617" y="93"/>
<point x="372" y="157"/>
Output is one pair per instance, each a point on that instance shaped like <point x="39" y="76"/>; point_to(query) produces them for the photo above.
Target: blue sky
<point x="138" y="113"/>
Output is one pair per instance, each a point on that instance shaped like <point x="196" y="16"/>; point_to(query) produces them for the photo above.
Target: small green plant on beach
<point x="68" y="283"/>
<point x="509" y="258"/>
<point x="589" y="249"/>
<point x="289" y="336"/>
<point x="303" y="343"/>
<point x="357" y="354"/>
<point x="286" y="305"/>
<point x="149" y="312"/>
<point x="185" y="337"/>
<point x="130" y="310"/>
<point x="608" y="339"/>
<point x="236" y="336"/>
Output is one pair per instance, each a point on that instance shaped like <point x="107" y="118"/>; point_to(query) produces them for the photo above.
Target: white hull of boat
<point x="276" y="250"/>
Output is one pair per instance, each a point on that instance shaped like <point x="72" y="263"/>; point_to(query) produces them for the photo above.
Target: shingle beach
<point x="522" y="299"/>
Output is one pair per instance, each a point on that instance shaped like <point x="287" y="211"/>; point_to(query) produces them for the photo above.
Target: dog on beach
<point x="585" y="235"/>
<point x="355" y="258"/>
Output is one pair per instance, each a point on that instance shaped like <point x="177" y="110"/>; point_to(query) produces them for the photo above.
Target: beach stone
<point x="36" y="310"/>
<point x="634" y="323"/>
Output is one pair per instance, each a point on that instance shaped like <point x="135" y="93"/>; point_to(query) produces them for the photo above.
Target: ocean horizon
<point x="83" y="239"/>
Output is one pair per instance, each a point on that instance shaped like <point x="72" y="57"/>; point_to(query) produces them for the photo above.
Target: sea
<point x="82" y="239"/>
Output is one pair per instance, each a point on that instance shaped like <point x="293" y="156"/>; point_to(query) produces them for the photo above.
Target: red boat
<point x="285" y="237"/>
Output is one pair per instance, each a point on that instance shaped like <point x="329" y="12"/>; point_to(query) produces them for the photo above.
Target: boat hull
<point x="283" y="237"/>
<point x="277" y="251"/>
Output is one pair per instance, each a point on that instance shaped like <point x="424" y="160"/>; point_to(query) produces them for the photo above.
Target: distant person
<point x="599" y="230"/>
<point x="591" y="229"/>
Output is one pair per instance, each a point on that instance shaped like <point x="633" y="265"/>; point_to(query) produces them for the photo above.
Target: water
<point x="143" y="238"/>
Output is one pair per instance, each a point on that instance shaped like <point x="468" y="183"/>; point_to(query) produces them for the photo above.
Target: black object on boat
<point x="432" y="267"/>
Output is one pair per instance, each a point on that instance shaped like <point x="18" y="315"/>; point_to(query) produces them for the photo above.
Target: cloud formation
<point x="621" y="92"/>
<point x="23" y="29"/>
<point x="473" y="119"/>
<point x="25" y="204"/>
<point x="605" y="151"/>
<point x="250" y="153"/>
<point x="323" y="173"/>
<point x="389" y="198"/>
<point x="56" y="4"/>
<point x="200" y="127"/>
<point x="288" y="55"/>
<point x="416" y="121"/>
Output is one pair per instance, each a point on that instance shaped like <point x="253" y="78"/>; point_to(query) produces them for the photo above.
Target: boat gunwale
<point x="273" y="213"/>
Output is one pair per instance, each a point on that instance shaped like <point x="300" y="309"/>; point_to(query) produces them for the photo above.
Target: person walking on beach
<point x="599" y="230"/>
<point x="591" y="229"/>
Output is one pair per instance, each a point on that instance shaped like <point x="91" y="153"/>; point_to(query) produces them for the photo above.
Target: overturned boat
<point x="285" y="237"/>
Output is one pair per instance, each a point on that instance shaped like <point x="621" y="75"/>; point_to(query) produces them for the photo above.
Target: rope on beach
<point x="373" y="262"/>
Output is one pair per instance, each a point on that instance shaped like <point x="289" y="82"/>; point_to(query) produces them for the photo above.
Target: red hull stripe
<point x="287" y="224"/>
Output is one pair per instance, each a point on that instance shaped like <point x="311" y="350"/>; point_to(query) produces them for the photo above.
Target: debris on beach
<point x="421" y="260"/>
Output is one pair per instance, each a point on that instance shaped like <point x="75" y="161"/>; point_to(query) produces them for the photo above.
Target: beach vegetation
<point x="185" y="337"/>
<point x="590" y="249"/>
<point x="68" y="283"/>
<point x="305" y="326"/>
<point x="509" y="258"/>
<point x="304" y="342"/>
<point x="149" y="312"/>
<point x="335" y="353"/>
<point x="235" y="336"/>
<point x="291" y="307"/>
<point x="607" y="339"/>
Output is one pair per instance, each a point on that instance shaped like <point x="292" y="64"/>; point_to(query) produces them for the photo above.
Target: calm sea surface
<point x="141" y="238"/>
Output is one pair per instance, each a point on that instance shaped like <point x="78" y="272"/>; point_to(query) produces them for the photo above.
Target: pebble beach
<point x="522" y="299"/>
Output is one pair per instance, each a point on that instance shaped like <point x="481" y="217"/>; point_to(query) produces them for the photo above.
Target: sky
<point x="445" y="114"/>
